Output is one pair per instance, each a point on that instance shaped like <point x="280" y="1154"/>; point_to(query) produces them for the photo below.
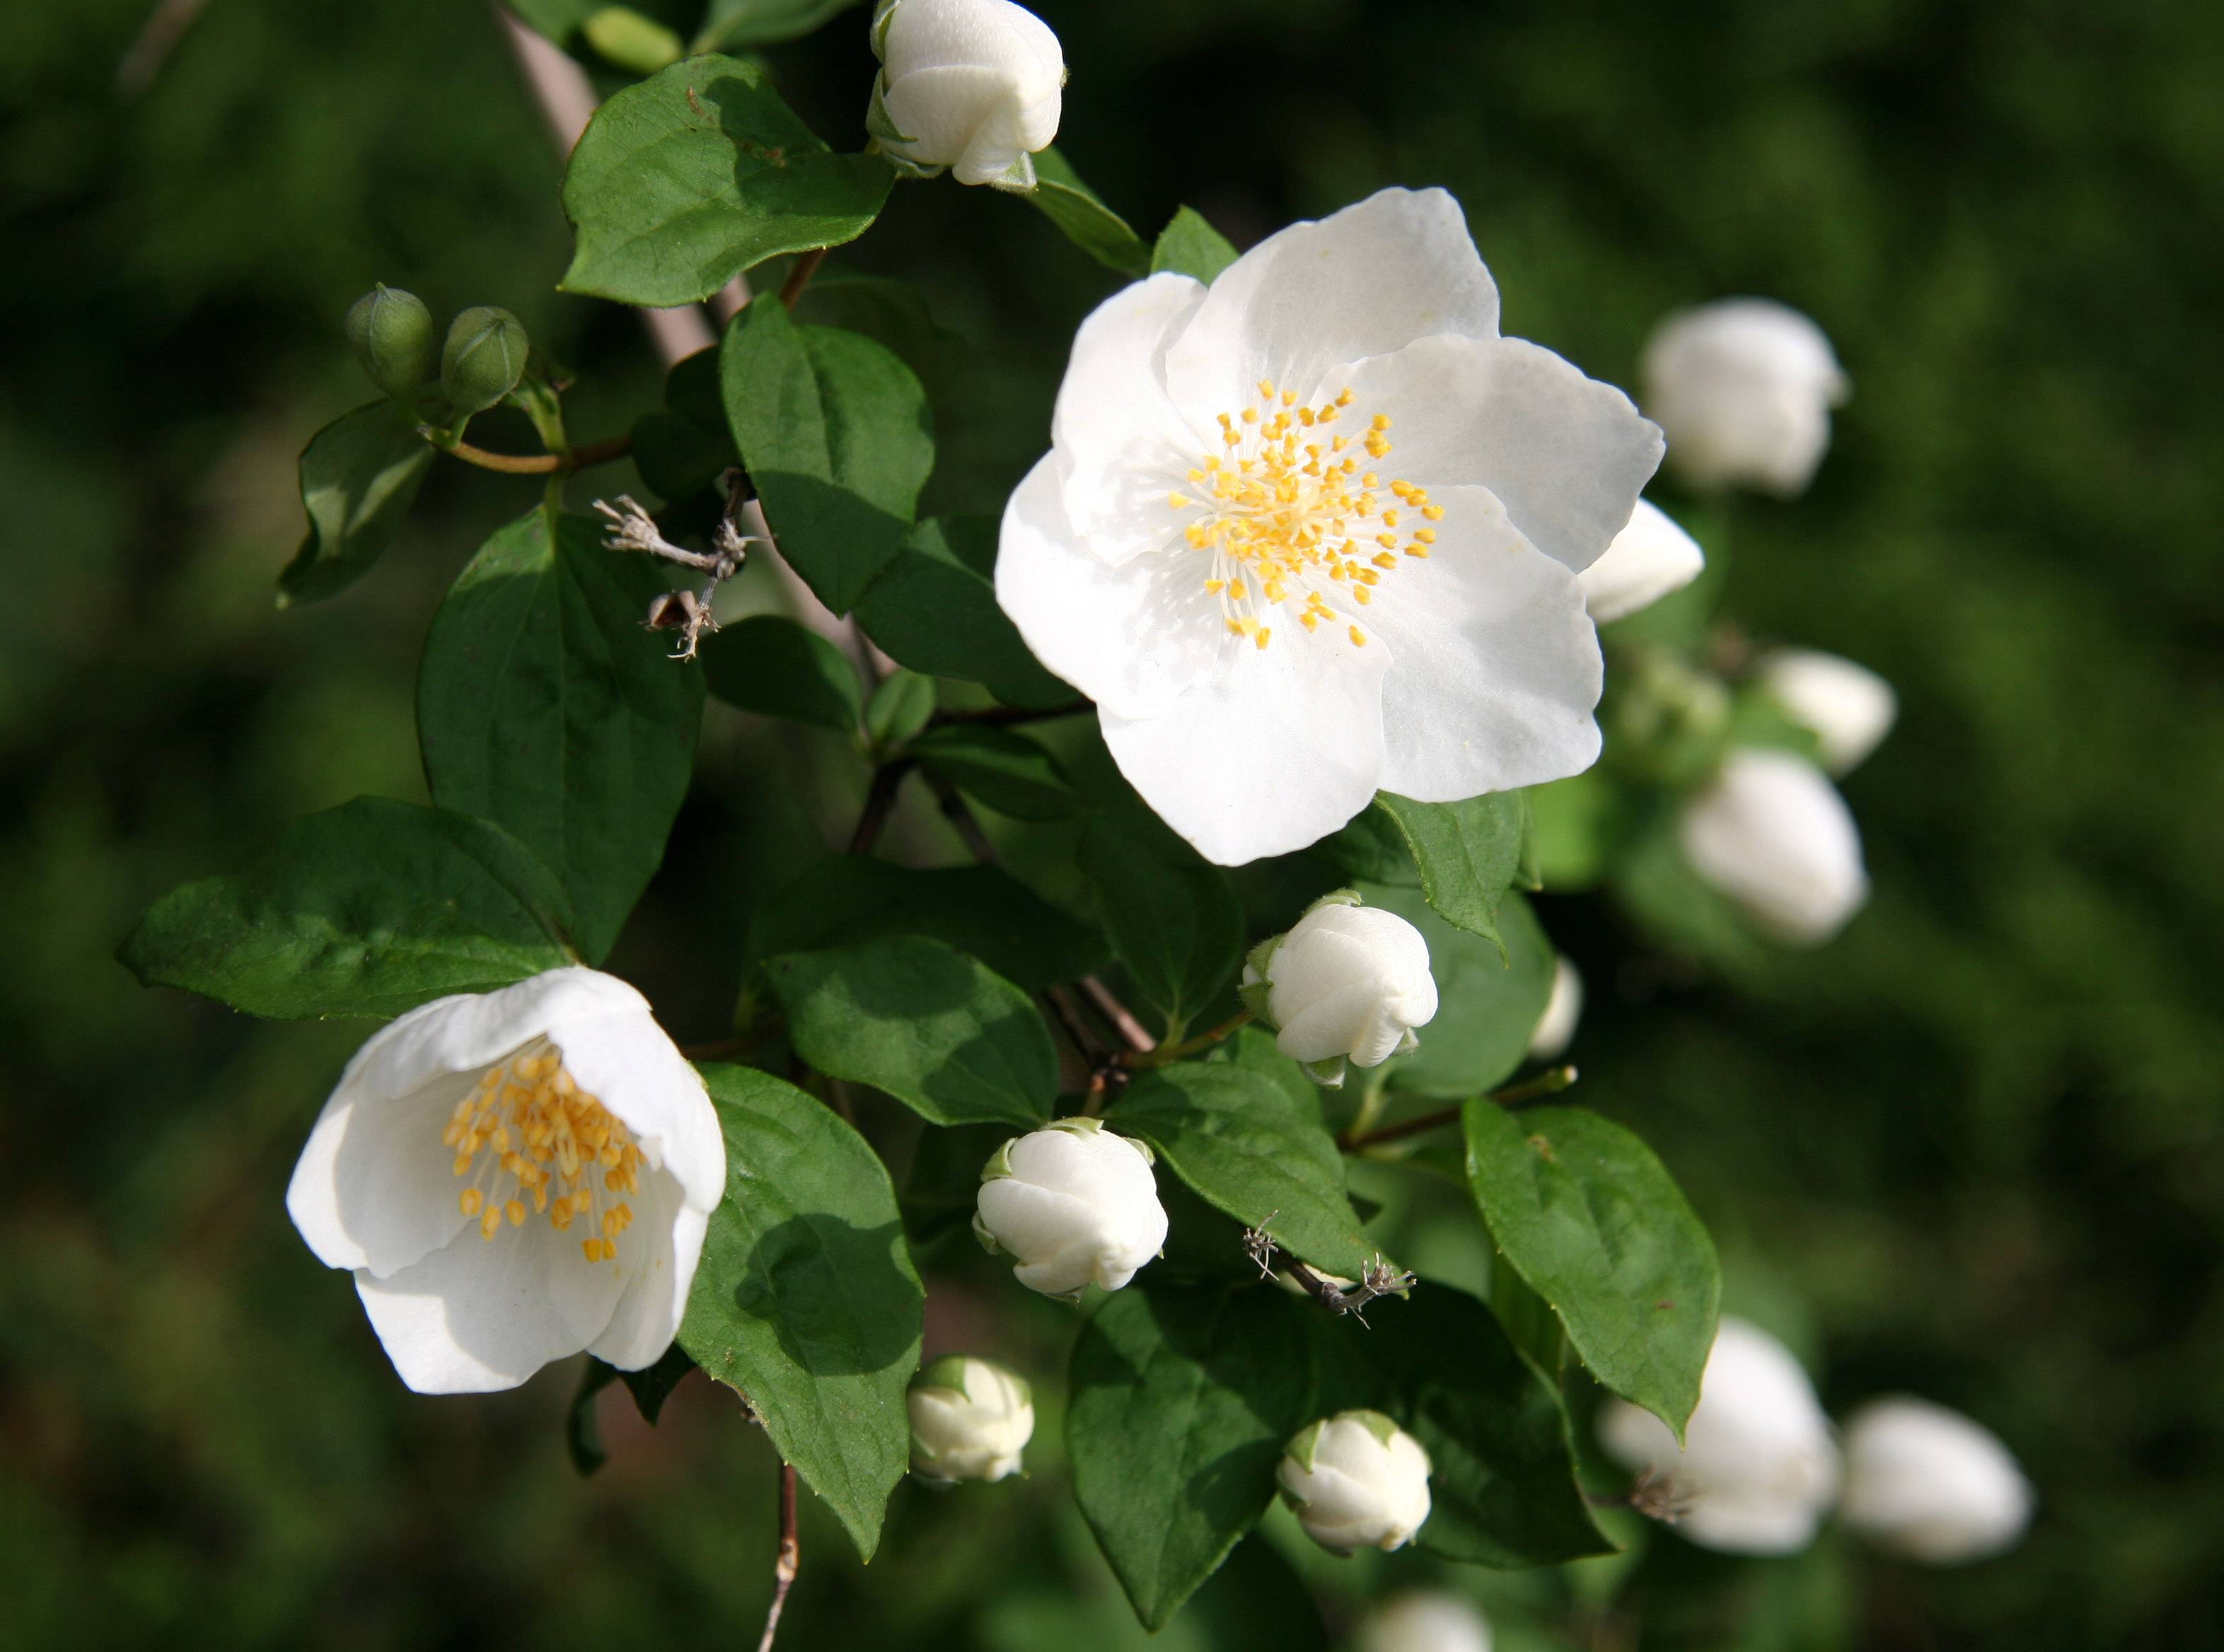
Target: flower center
<point x="527" y="1131"/>
<point x="1289" y="516"/>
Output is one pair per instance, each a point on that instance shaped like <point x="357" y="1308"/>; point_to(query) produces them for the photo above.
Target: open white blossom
<point x="1355" y="1480"/>
<point x="1848" y="707"/>
<point x="1424" y="1620"/>
<point x="1649" y="558"/>
<point x="1074" y="1204"/>
<point x="1758" y="1469"/>
<point x="1276" y="616"/>
<point x="971" y="1418"/>
<point x="1744" y="388"/>
<point x="1931" y="1484"/>
<point x="514" y="1176"/>
<point x="1556" y="1028"/>
<point x="976" y="85"/>
<point x="1349" y="982"/>
<point x="1772" y="834"/>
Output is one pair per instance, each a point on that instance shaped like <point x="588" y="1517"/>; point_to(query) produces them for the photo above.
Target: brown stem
<point x="1549" y="1082"/>
<point x="1077" y="1027"/>
<point x="1187" y="1047"/>
<point x="798" y="276"/>
<point x="880" y="804"/>
<point x="791" y="1557"/>
<point x="961" y="820"/>
<point x="541" y="464"/>
<point x="1109" y="1006"/>
<point x="1003" y="717"/>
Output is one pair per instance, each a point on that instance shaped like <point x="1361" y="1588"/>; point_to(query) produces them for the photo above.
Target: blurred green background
<point x="1969" y="1149"/>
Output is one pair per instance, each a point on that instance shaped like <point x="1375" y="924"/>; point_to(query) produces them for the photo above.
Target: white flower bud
<point x="971" y="1418"/>
<point x="1357" y="1480"/>
<point x="1929" y="1483"/>
<point x="1743" y="389"/>
<point x="1556" y="1028"/>
<point x="1772" y="834"/>
<point x="1647" y="560"/>
<point x="1848" y="707"/>
<point x="972" y="85"/>
<point x="1758" y="1468"/>
<point x="1349" y="982"/>
<point x="1074" y="1204"/>
<point x="1424" y="1620"/>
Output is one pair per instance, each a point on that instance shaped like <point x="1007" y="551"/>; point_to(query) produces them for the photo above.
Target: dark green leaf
<point x="806" y="1300"/>
<point x="543" y="706"/>
<point x="983" y="910"/>
<point x="763" y="23"/>
<point x="1502" y="1486"/>
<point x="678" y="458"/>
<point x="1170" y="915"/>
<point x="1370" y="850"/>
<point x="900" y="707"/>
<point x="1250" y="1148"/>
<point x="1191" y="246"/>
<point x="685" y="180"/>
<point x="359" y="475"/>
<point x="1469" y="854"/>
<point x="937" y="1030"/>
<point x="1254" y="1047"/>
<point x="1528" y="1319"/>
<point x="1489" y="1000"/>
<point x="1000" y="768"/>
<point x="837" y="438"/>
<point x="1593" y="1221"/>
<point x="1088" y="222"/>
<point x="934" y="608"/>
<point x="889" y="312"/>
<point x="369" y="909"/>
<point x="769" y="664"/>
<point x="1181" y="1401"/>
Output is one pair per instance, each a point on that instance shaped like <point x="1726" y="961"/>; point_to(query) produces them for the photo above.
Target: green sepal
<point x="1328" y="1074"/>
<point x="999" y="1164"/>
<point x="1303" y="1444"/>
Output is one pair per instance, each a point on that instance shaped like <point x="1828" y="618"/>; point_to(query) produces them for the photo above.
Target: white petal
<point x="1566" y="455"/>
<point x="1311" y="300"/>
<point x="620" y="1056"/>
<point x="1849" y="707"/>
<point x="374" y="1189"/>
<point x="658" y="1269"/>
<point x="1649" y="558"/>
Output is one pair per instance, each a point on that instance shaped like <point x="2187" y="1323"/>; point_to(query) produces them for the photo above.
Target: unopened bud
<point x="1355" y="1480"/>
<point x="391" y="332"/>
<point x="976" y="85"/>
<point x="1743" y="390"/>
<point x="483" y="358"/>
<point x="971" y="1418"/>
<point x="1556" y="1028"/>
<point x="1074" y="1205"/>
<point x="1349" y="983"/>
<point x="1772" y="834"/>
<point x="1929" y="1484"/>
<point x="626" y="39"/>
<point x="1425" y="1620"/>
<point x="1848" y="707"/>
<point x="1648" y="559"/>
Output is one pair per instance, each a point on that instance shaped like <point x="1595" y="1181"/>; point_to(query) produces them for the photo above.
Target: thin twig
<point x="164" y="27"/>
<point x="791" y="1557"/>
<point x="798" y="276"/>
<point x="540" y="464"/>
<point x="1379" y="1280"/>
<point x="880" y="804"/>
<point x="1187" y="1047"/>
<point x="1091" y="1049"/>
<point x="1512" y="1098"/>
<point x="1123" y="1019"/>
<point x="962" y="819"/>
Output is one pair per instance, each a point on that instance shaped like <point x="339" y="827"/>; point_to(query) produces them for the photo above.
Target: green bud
<point x="391" y="331"/>
<point x="626" y="39"/>
<point x="483" y="359"/>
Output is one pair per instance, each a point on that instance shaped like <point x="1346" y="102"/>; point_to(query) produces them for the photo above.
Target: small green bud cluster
<point x="481" y="362"/>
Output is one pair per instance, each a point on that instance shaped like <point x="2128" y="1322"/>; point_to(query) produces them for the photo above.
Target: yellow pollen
<point x="528" y="1126"/>
<point x="1180" y="501"/>
<point x="1358" y="638"/>
<point x="1425" y="536"/>
<point x="1434" y="513"/>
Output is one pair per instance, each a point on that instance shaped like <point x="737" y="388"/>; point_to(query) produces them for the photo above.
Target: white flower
<point x="1349" y="982"/>
<point x="1556" y="1028"/>
<point x="1275" y="617"/>
<point x="1649" y="558"/>
<point x="1424" y="1620"/>
<point x="1744" y="389"/>
<point x="1848" y="707"/>
<point x="973" y="84"/>
<point x="969" y="1419"/>
<point x="1772" y="834"/>
<point x="514" y="1177"/>
<point x="1073" y="1203"/>
<point x="1357" y="1480"/>
<point x="1758" y="1469"/>
<point x="1929" y="1483"/>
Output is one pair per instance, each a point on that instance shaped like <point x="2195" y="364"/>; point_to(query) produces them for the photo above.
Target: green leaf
<point x="1468" y="853"/>
<point x="983" y="910"/>
<point x="359" y="476"/>
<point x="1528" y="1319"/>
<point x="806" y="1300"/>
<point x="768" y="664"/>
<point x="838" y="436"/>
<point x="1088" y="222"/>
<point x="543" y="706"/>
<point x="369" y="909"/>
<point x="1585" y="1213"/>
<point x="941" y="1032"/>
<point x="1191" y="246"/>
<point x="1248" y="1148"/>
<point x="685" y="180"/>
<point x="1502" y="1486"/>
<point x="1489" y="1000"/>
<point x="1179" y="1403"/>
<point x="890" y="312"/>
<point x="900" y="707"/>
<point x="764" y="22"/>
<point x="1172" y="919"/>
<point x="1003" y="769"/>
<point x="1371" y="848"/>
<point x="934" y="608"/>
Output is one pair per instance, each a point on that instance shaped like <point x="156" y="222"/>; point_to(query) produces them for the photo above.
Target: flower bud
<point x="1849" y="707"/>
<point x="1349" y="982"/>
<point x="1647" y="560"/>
<point x="1073" y="1203"/>
<point x="1556" y="1028"/>
<point x="1929" y="1484"/>
<point x="1774" y="835"/>
<point x="483" y="358"/>
<point x="1743" y="389"/>
<point x="1357" y="1480"/>
<point x="973" y="84"/>
<point x="969" y="1419"/>
<point x="627" y="40"/>
<point x="1424" y="1620"/>
<point x="391" y="332"/>
<point x="1758" y="1469"/>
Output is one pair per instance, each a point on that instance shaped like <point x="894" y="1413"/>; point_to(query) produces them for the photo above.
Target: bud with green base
<point x="970" y="1419"/>
<point x="1074" y="1204"/>
<point x="975" y="87"/>
<point x="483" y="358"/>
<point x="391" y="332"/>
<point x="1355" y="1480"/>
<point x="1347" y="985"/>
